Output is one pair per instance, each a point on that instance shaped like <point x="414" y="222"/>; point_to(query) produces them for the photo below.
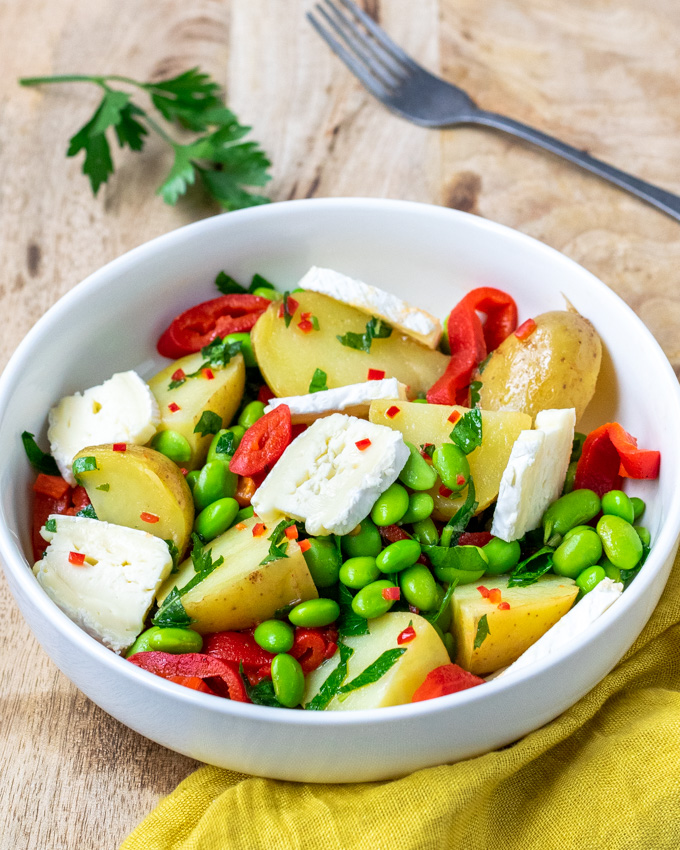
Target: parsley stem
<point x="99" y="80"/>
<point x="161" y="132"/>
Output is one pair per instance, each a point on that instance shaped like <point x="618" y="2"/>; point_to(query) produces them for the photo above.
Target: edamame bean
<point x="569" y="480"/>
<point x="391" y="506"/>
<point x="419" y="587"/>
<point x="192" y="478"/>
<point x="572" y="509"/>
<point x="620" y="540"/>
<point x="419" y="401"/>
<point x="358" y="572"/>
<point x="363" y="540"/>
<point x="452" y="466"/>
<point x="450" y="644"/>
<point x="580" y="549"/>
<point x="420" y="506"/>
<point x="417" y="473"/>
<point x="617" y="503"/>
<point x="215" y="481"/>
<point x="237" y="433"/>
<point x="369" y="601"/>
<point x="176" y="641"/>
<point x="246" y="347"/>
<point x="288" y="680"/>
<point x="244" y="513"/>
<point x="425" y="532"/>
<point x="576" y="529"/>
<point x="643" y="534"/>
<point x="590" y="578"/>
<point x="265" y="292"/>
<point x="216" y="518"/>
<point x="323" y="561"/>
<point x="250" y="414"/>
<point x="397" y="556"/>
<point x="173" y="445"/>
<point x="315" y="613"/>
<point x="502" y="556"/>
<point x="274" y="636"/>
<point x="638" y="507"/>
<point x="612" y="572"/>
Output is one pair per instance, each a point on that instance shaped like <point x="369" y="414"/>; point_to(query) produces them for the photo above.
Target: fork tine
<point x="380" y="35"/>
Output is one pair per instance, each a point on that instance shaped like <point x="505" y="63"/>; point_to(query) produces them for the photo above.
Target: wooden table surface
<point x="601" y="75"/>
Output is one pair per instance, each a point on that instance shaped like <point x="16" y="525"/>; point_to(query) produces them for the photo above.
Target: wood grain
<point x="600" y="75"/>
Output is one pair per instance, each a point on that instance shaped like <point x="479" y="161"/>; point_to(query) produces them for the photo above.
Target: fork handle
<point x="660" y="198"/>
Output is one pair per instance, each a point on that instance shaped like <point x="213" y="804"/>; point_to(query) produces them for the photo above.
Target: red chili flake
<point x="178" y="375"/>
<point x="173" y="407"/>
<point x="525" y="330"/>
<point x="291" y="532"/>
<point x="454" y="417"/>
<point x="362" y="445"/>
<point x="424" y="454"/>
<point x="391" y="593"/>
<point x="292" y="306"/>
<point x="484" y="591"/>
<point x="119" y="447"/>
<point x="306" y="326"/>
<point x="445" y="492"/>
<point x="208" y="374"/>
<point x="406" y="636"/>
<point x="504" y="606"/>
<point x="305" y="545"/>
<point x="305" y="315"/>
<point x="460" y="480"/>
<point x="145" y="516"/>
<point x="240" y="526"/>
<point x="259" y="529"/>
<point x="183" y="470"/>
<point x="76" y="558"/>
<point x="494" y="595"/>
<point x="375" y="374"/>
<point x="391" y="412"/>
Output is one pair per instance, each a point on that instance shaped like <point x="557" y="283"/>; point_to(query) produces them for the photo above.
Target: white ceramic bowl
<point x="427" y="255"/>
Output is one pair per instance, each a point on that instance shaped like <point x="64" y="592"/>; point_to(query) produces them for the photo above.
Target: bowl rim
<point x="15" y="562"/>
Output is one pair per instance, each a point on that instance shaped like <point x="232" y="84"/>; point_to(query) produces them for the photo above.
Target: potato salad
<point x="330" y="500"/>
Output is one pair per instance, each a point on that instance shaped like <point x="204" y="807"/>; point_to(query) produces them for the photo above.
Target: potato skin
<point x="555" y="367"/>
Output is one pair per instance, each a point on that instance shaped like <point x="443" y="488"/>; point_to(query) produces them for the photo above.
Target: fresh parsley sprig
<point x="191" y="101"/>
<point x="375" y="329"/>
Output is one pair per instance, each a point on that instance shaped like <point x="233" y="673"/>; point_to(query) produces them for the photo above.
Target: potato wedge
<point x="241" y="592"/>
<point x="425" y="652"/>
<point x="221" y="394"/>
<point x="429" y="423"/>
<point x="533" y="610"/>
<point x="555" y="367"/>
<point x="127" y="485"/>
<point x="288" y="357"/>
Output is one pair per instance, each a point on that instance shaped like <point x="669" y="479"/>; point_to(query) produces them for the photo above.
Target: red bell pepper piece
<point x="501" y="313"/>
<point x="447" y="679"/>
<point x="73" y="500"/>
<point x="237" y="648"/>
<point x="263" y="443"/>
<point x="610" y="452"/>
<point x="466" y="340"/>
<point x="265" y="395"/>
<point x="195" y="328"/>
<point x="474" y="538"/>
<point x="51" y="485"/>
<point x="309" y="647"/>
<point x="192" y="682"/>
<point x="197" y="664"/>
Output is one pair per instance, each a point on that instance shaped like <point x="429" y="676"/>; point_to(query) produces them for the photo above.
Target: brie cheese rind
<point x="353" y="399"/>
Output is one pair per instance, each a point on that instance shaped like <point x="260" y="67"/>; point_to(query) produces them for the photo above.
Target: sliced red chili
<point x="145" y="516"/>
<point x="305" y="545"/>
<point x="263" y="443"/>
<point x="53" y="486"/>
<point x="391" y="412"/>
<point x="406" y="636"/>
<point x="362" y="445"/>
<point x="173" y="407"/>
<point x="494" y="595"/>
<point x="258" y="529"/>
<point x="500" y="310"/>
<point x="119" y="447"/>
<point x="197" y="664"/>
<point x="504" y="606"/>
<point x="447" y="679"/>
<point x="291" y="532"/>
<point x="375" y="374"/>
<point x="466" y="341"/>
<point x="76" y="558"/>
<point x="306" y="326"/>
<point x="610" y="452"/>
<point x="445" y="491"/>
<point x="454" y="417"/>
<point x="197" y="327"/>
<point x="474" y="538"/>
<point x="484" y="591"/>
<point x="525" y="330"/>
<point x="208" y="374"/>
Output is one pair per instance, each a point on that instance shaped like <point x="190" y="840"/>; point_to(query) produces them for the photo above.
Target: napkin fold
<point x="605" y="774"/>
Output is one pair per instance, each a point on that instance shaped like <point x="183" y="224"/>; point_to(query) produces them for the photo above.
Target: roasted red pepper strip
<point x="197" y="327"/>
<point x="237" y="648"/>
<point x="610" y="452"/>
<point x="501" y="313"/>
<point x="309" y="648"/>
<point x="474" y="538"/>
<point x="192" y="682"/>
<point x="263" y="443"/>
<point x="466" y="340"/>
<point x="166" y="665"/>
<point x="51" y="485"/>
<point x="447" y="679"/>
<point x="74" y="500"/>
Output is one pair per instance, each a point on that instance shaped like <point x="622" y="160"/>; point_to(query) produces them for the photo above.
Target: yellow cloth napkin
<point x="605" y="774"/>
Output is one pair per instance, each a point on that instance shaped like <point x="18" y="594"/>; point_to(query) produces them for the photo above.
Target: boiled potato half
<point x="430" y="423"/>
<point x="555" y="367"/>
<point x="288" y="357"/>
<point x="221" y="394"/>
<point x="533" y="610"/>
<point x="425" y="652"/>
<point x="132" y="487"/>
<point x="242" y="592"/>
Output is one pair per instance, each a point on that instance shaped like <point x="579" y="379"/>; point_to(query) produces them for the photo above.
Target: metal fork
<point x="417" y="95"/>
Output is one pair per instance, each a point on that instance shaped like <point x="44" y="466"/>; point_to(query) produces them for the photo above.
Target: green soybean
<point x="590" y="578"/>
<point x="452" y="466"/>
<point x="369" y="601"/>
<point x="643" y="534"/>
<point x="580" y="549"/>
<point x="397" y="556"/>
<point x="175" y="641"/>
<point x="246" y="347"/>
<point x="274" y="636"/>
<point x="612" y="572"/>
<point x="237" y="431"/>
<point x="266" y="292"/>
<point x="502" y="556"/>
<point x="244" y="513"/>
<point x="216" y="518"/>
<point x="363" y="540"/>
<point x="572" y="509"/>
<point x="358" y="572"/>
<point x="288" y="680"/>
<point x="173" y="445"/>
<point x="620" y="541"/>
<point x="617" y="503"/>
<point x="450" y="644"/>
<point x="215" y="481"/>
<point x="420" y="506"/>
<point x="192" y="478"/>
<point x="250" y="414"/>
<point x="576" y="529"/>
<point x="417" y="473"/>
<point x="425" y="532"/>
<point x="323" y="561"/>
<point x="571" y="475"/>
<point x="419" y="401"/>
<point x="391" y="506"/>
<point x="419" y="587"/>
<point x="638" y="507"/>
<point x="315" y="613"/>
